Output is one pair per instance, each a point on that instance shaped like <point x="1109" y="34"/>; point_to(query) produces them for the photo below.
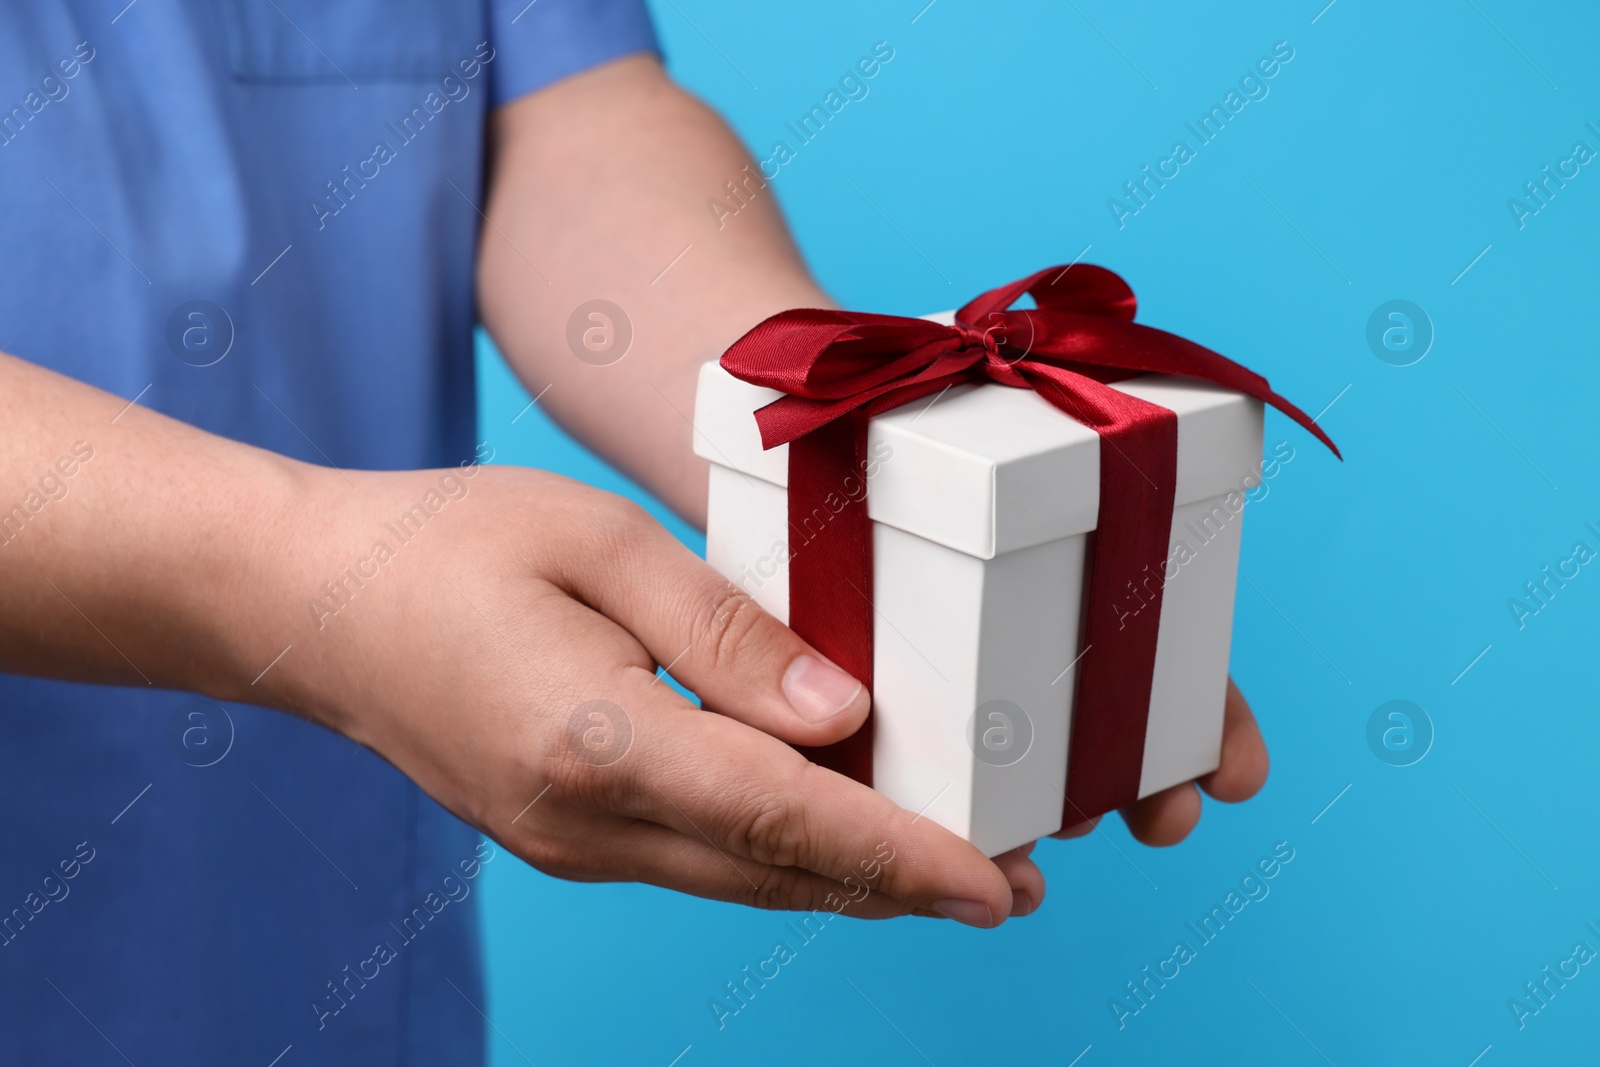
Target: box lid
<point x="986" y="468"/>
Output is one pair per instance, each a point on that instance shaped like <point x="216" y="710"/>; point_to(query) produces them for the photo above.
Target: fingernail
<point x="1022" y="903"/>
<point x="818" y="691"/>
<point x="972" y="912"/>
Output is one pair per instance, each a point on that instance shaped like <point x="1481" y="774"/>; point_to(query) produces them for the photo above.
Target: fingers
<point x="1025" y="879"/>
<point x="1082" y="829"/>
<point x="660" y="856"/>
<point x="755" y="798"/>
<point x="663" y="857"/>
<point x="712" y="636"/>
<point x="1164" y="818"/>
<point x="1242" y="770"/>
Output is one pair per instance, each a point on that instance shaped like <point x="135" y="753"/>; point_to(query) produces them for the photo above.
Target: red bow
<point x="839" y="368"/>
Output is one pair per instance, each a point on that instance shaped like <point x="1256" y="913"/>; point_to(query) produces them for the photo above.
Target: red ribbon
<point x="839" y="368"/>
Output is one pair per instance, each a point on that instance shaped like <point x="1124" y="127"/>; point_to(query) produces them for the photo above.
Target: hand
<point x="504" y="658"/>
<point x="1165" y="818"/>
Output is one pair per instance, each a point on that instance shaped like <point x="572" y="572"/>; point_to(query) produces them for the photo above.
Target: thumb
<point x="715" y="639"/>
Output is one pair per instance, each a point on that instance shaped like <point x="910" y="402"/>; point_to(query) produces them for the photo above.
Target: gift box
<point x="924" y="494"/>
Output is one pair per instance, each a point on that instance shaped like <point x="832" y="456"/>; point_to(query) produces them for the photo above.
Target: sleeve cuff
<point x="544" y="41"/>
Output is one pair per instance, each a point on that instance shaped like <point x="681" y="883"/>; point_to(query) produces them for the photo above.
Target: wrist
<point x="255" y="564"/>
<point x="330" y="587"/>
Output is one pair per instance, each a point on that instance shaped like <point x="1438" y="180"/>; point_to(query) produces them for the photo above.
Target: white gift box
<point x="982" y="501"/>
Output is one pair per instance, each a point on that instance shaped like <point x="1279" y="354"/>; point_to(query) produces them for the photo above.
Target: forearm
<point x="127" y="540"/>
<point x="600" y="188"/>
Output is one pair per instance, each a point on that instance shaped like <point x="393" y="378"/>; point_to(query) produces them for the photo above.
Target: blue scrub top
<point x="257" y="216"/>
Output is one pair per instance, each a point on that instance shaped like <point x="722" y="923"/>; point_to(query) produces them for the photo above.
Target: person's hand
<point x="1165" y="818"/>
<point x="503" y="655"/>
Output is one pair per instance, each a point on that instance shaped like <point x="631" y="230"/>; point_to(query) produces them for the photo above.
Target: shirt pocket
<point x="310" y="42"/>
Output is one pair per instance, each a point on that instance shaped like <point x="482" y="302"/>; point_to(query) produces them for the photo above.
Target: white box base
<point x="953" y="632"/>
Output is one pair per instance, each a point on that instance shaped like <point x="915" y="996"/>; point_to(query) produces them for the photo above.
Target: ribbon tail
<point x="830" y="568"/>
<point x="1122" y="617"/>
<point x="1306" y="421"/>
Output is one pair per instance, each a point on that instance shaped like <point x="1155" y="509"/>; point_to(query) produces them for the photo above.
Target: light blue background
<point x="1378" y="167"/>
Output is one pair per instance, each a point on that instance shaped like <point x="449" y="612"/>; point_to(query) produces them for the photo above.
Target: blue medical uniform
<point x="260" y="217"/>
